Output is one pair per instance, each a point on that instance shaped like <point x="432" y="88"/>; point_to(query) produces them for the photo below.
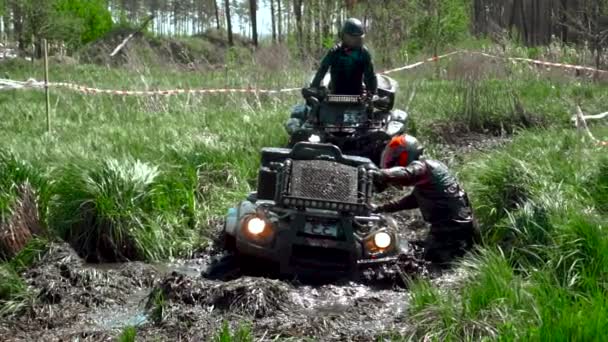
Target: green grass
<point x="149" y="173"/>
<point x="241" y="334"/>
<point x="145" y="177"/>
<point x="128" y="335"/>
<point x="132" y="171"/>
<point x="14" y="173"/>
<point x="542" y="272"/>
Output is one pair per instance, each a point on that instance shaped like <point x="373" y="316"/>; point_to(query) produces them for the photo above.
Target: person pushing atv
<point x="349" y="62"/>
<point x="441" y="200"/>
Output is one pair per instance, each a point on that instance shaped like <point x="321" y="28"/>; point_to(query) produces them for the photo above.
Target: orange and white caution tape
<point x="415" y="65"/>
<point x="539" y="62"/>
<point x="11" y="84"/>
<point x="89" y="90"/>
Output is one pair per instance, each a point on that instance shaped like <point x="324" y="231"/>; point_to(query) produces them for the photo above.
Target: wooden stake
<point x="33" y="50"/>
<point x="46" y="87"/>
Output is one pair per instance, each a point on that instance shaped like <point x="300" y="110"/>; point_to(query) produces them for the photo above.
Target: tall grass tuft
<point x="128" y="334"/>
<point x="115" y="210"/>
<point x="23" y="201"/>
<point x="538" y="200"/>
<point x="241" y="334"/>
<point x="13" y="292"/>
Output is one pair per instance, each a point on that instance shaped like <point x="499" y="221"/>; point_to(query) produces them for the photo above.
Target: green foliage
<point x="242" y="334"/>
<point x="30" y="254"/>
<point x="120" y="209"/>
<point x="13" y="291"/>
<point x="440" y="23"/>
<point x="95" y="20"/>
<point x="13" y="174"/>
<point x="128" y="335"/>
<point x="157" y="305"/>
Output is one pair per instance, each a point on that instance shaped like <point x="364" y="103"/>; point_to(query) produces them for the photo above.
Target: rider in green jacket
<point x="349" y="63"/>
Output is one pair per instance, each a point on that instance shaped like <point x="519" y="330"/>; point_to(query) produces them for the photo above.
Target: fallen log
<point x="126" y="40"/>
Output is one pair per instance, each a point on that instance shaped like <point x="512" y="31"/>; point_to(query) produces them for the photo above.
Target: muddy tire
<point x="223" y="267"/>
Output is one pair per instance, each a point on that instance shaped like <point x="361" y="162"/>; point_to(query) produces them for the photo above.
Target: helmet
<point x="353" y="27"/>
<point x="401" y="151"/>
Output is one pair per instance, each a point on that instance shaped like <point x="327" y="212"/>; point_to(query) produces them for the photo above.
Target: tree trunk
<point x="350" y="6"/>
<point x="279" y="21"/>
<point x="228" y="22"/>
<point x="297" y="10"/>
<point x="217" y="15"/>
<point x="317" y="18"/>
<point x="326" y="21"/>
<point x="18" y="25"/>
<point x="308" y="24"/>
<point x="273" y="22"/>
<point x="254" y="21"/>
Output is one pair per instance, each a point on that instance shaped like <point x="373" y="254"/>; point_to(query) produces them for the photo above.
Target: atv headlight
<point x="382" y="240"/>
<point x="314" y="138"/>
<point x="256" y="226"/>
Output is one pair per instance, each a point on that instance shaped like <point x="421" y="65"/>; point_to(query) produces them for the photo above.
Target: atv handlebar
<point x="317" y="95"/>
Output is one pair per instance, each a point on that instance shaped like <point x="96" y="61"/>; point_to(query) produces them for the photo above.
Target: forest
<point x="313" y="24"/>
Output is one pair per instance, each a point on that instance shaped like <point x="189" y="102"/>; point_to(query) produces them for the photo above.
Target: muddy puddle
<point x="75" y="301"/>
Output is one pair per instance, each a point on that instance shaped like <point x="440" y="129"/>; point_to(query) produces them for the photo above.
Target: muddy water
<point x="76" y="301"/>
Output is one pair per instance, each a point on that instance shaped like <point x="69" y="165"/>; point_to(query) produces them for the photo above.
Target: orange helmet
<point x="401" y="151"/>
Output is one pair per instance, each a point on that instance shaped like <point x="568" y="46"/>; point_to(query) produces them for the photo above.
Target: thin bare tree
<point x="228" y="22"/>
<point x="254" y="22"/>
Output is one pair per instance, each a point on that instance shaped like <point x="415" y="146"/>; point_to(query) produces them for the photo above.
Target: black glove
<point x="379" y="180"/>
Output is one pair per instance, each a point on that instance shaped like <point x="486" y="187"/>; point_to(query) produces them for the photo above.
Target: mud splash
<point x="274" y="309"/>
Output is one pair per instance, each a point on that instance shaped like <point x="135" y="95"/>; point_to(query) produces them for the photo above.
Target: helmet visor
<point x="352" y="41"/>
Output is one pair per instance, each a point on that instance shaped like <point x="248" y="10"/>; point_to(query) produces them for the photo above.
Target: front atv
<point x="310" y="215"/>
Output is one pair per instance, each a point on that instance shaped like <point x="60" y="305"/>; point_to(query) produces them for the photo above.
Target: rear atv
<point x="358" y="125"/>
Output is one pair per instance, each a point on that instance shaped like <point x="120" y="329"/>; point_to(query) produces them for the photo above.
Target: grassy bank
<point x="132" y="171"/>
<point x="541" y="275"/>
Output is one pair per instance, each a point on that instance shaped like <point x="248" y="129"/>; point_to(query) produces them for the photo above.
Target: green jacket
<point x="348" y="67"/>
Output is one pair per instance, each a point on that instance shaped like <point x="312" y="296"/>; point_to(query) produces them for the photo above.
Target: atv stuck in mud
<point x="358" y="125"/>
<point x="311" y="217"/>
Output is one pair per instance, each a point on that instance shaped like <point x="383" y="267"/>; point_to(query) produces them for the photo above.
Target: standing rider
<point x="349" y="63"/>
<point x="436" y="193"/>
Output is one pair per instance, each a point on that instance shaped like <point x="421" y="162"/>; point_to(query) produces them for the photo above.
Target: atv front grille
<point x="324" y="180"/>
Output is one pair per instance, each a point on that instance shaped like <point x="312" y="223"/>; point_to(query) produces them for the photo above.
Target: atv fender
<point x="397" y="123"/>
<point x="399" y="116"/>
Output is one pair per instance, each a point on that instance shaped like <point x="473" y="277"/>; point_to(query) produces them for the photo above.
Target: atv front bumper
<point x="296" y="253"/>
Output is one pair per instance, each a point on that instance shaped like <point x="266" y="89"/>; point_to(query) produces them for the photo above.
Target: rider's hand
<point x="377" y="175"/>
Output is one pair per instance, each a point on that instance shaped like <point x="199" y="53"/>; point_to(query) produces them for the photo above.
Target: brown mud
<point x="75" y="301"/>
<point x="72" y="300"/>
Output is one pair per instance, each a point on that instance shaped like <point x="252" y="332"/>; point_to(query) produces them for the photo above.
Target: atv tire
<point x="223" y="267"/>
